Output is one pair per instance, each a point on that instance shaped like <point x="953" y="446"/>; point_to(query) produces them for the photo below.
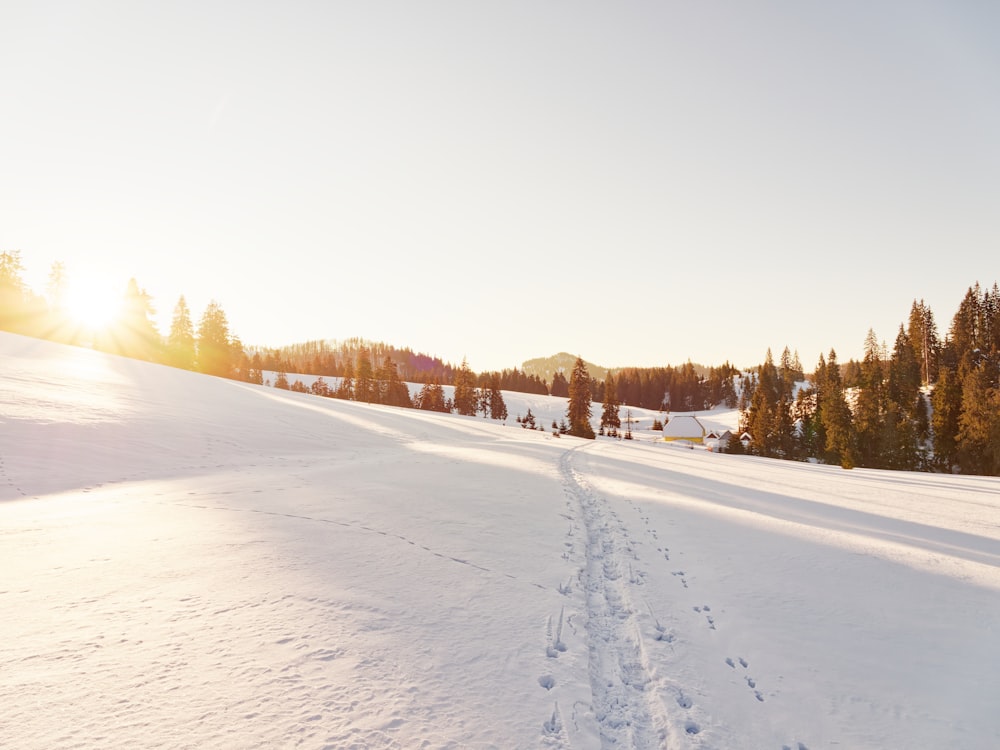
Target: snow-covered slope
<point x="193" y="562"/>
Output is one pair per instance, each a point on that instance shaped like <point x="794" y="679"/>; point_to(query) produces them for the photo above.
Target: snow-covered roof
<point x="684" y="426"/>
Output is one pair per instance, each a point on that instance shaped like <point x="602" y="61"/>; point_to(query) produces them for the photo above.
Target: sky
<point x="504" y="181"/>
<point x="190" y="561"/>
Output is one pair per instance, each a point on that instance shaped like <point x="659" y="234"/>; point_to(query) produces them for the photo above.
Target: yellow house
<point x="684" y="427"/>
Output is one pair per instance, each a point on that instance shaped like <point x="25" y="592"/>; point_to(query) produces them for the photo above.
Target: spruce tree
<point x="364" y="378"/>
<point x="180" y="340"/>
<point x="923" y="336"/>
<point x="13" y="292"/>
<point x="133" y="333"/>
<point x="390" y="390"/>
<point x="834" y="419"/>
<point x="578" y="409"/>
<point x="559" y="386"/>
<point x="215" y="356"/>
<point x="345" y="389"/>
<point x="870" y="406"/>
<point x="465" y="390"/>
<point x="609" y="414"/>
<point x="494" y="398"/>
<point x="431" y="397"/>
<point x="978" y="439"/>
<point x="769" y="428"/>
<point x="946" y="406"/>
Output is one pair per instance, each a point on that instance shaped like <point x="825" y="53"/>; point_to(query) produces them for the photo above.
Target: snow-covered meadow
<point x="188" y="562"/>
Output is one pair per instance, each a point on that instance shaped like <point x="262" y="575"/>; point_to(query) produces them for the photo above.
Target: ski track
<point x="625" y="703"/>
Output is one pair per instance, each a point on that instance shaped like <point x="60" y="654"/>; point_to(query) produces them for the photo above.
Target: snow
<point x="194" y="562"/>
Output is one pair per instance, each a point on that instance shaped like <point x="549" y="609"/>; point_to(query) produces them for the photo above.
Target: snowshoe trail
<point x="625" y="703"/>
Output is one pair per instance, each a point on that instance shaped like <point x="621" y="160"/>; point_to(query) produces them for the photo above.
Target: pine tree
<point x="767" y="418"/>
<point x="133" y="333"/>
<point x="560" y="387"/>
<point x="180" y="341"/>
<point x="320" y="387"/>
<point x="923" y="336"/>
<point x="904" y="372"/>
<point x="215" y="354"/>
<point x="835" y="429"/>
<point x="13" y="292"/>
<point x="345" y="389"/>
<point x="465" y="390"/>
<point x="578" y="409"/>
<point x="494" y="399"/>
<point x="528" y="421"/>
<point x="609" y="414"/>
<point x="870" y="406"/>
<point x="364" y="378"/>
<point x="946" y="403"/>
<point x="390" y="389"/>
<point x="902" y="405"/>
<point x="431" y="397"/>
<point x="978" y="440"/>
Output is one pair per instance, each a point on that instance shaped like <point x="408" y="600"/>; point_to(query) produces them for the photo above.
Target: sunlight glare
<point x="93" y="303"/>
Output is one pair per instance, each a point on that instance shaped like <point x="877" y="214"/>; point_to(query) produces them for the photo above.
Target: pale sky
<point x="637" y="183"/>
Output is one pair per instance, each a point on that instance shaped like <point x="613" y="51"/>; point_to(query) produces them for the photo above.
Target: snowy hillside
<point x="194" y="562"/>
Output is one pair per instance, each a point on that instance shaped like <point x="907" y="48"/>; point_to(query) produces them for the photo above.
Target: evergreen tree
<point x="431" y="398"/>
<point x="13" y="307"/>
<point x="835" y="431"/>
<point x="254" y="372"/>
<point x="767" y="418"/>
<point x="345" y="389"/>
<point x="465" y="390"/>
<point x="904" y="372"/>
<point x="320" y="387"/>
<point x="215" y="354"/>
<point x="870" y="406"/>
<point x="559" y="385"/>
<point x="239" y="358"/>
<point x="497" y="408"/>
<point x="133" y="333"/>
<point x="609" y="414"/>
<point x="578" y="410"/>
<point x="390" y="389"/>
<point x="180" y="341"/>
<point x="364" y="379"/>
<point x="946" y="403"/>
<point x="281" y="382"/>
<point x="923" y="336"/>
<point x="966" y="334"/>
<point x="978" y="440"/>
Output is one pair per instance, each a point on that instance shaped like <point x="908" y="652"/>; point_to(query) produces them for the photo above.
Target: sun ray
<point x="93" y="303"/>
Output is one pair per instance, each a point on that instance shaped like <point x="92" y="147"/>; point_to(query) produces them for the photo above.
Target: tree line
<point x="925" y="404"/>
<point x="929" y="403"/>
<point x="210" y="347"/>
<point x="361" y="380"/>
<point x="336" y="358"/>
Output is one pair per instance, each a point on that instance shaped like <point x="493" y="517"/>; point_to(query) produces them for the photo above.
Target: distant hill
<point x="546" y="367"/>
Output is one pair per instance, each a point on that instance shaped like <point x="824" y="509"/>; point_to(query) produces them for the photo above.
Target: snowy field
<point x="188" y="562"/>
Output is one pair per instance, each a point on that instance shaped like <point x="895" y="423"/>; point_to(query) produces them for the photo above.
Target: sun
<point x="93" y="304"/>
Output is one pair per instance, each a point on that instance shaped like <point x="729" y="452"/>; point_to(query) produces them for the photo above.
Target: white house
<point x="684" y="427"/>
<point x="717" y="440"/>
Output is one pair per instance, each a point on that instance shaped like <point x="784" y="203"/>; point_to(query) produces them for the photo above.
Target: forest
<point x="927" y="403"/>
